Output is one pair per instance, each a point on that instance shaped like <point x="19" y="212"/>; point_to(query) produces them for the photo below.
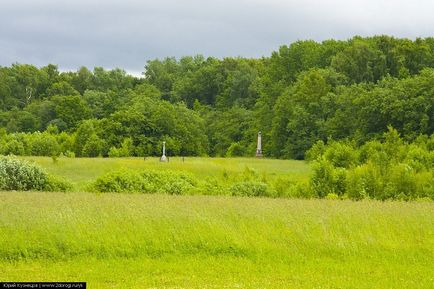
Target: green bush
<point x="332" y="197"/>
<point x="373" y="151"/>
<point x="406" y="184"/>
<point x="281" y="187"/>
<point x="388" y="169"/>
<point x="93" y="147"/>
<point x="12" y="147"/>
<point x="341" y="155"/>
<point x="113" y="152"/>
<point x="419" y="158"/>
<point x="132" y="181"/>
<point x="22" y="176"/>
<point x="316" y="151"/>
<point x="236" y="149"/>
<point x="300" y="190"/>
<point x="326" y="179"/>
<point x="364" y="181"/>
<point x="43" y="144"/>
<point x="57" y="184"/>
<point x="212" y="186"/>
<point x="250" y="189"/>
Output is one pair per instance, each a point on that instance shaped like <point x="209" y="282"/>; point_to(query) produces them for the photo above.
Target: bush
<point x="300" y="190"/>
<point x="364" y="181"/>
<point x="212" y="186"/>
<point x="131" y="181"/>
<point x="43" y="144"/>
<point x="22" y="176"/>
<point x="332" y="197"/>
<point x="419" y="158"/>
<point x="316" y="151"/>
<point x="113" y="152"/>
<point x="12" y="147"/>
<point x="341" y="155"/>
<point x="250" y="189"/>
<point x="56" y="184"/>
<point x="236" y="149"/>
<point x="281" y="187"/>
<point x="326" y="179"/>
<point x="405" y="184"/>
<point x="93" y="147"/>
<point x="69" y="154"/>
<point x="391" y="169"/>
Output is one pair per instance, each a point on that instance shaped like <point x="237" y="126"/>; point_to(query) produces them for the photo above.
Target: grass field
<point x="161" y="241"/>
<point x="164" y="241"/>
<point x="82" y="171"/>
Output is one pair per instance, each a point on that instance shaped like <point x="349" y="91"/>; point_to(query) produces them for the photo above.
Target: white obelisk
<point x="259" y="146"/>
<point x="163" y="157"/>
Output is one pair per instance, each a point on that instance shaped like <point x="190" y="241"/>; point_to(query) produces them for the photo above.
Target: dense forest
<point x="303" y="93"/>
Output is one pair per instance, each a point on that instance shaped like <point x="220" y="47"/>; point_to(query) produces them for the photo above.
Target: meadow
<point x="117" y="240"/>
<point x="82" y="171"/>
<point x="161" y="241"/>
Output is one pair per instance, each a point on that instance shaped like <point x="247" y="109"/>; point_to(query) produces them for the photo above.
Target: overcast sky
<point x="126" y="33"/>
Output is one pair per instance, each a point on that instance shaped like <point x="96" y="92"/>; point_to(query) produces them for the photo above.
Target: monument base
<point x="163" y="159"/>
<point x="259" y="154"/>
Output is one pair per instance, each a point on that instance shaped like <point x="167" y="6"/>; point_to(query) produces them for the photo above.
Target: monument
<point x="163" y="157"/>
<point x="259" y="146"/>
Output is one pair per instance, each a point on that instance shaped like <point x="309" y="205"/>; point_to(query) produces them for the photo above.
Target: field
<point x="162" y="241"/>
<point x="82" y="171"/>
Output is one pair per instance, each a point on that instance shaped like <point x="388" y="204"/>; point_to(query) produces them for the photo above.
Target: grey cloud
<point x="127" y="33"/>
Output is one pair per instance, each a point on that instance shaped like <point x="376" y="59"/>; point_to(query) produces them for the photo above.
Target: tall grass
<point x="158" y="241"/>
<point x="82" y="171"/>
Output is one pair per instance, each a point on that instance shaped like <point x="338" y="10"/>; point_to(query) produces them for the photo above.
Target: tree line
<point x="303" y="93"/>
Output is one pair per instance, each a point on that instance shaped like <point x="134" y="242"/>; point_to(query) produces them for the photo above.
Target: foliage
<point x="302" y="93"/>
<point x="130" y="181"/>
<point x="23" y="176"/>
<point x="391" y="169"/>
<point x="250" y="189"/>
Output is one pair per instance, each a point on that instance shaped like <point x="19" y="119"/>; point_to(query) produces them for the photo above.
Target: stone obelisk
<point x="163" y="157"/>
<point x="259" y="146"/>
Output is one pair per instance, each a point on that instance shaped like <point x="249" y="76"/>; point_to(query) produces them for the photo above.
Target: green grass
<point x="82" y="171"/>
<point x="160" y="241"/>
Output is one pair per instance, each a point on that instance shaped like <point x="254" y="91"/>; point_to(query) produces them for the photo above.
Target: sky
<point x="127" y="33"/>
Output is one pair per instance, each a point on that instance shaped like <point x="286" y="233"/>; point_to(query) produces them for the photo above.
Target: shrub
<point x="12" y="147"/>
<point x="401" y="184"/>
<point x="57" y="184"/>
<point x="236" y="149"/>
<point x="22" y="176"/>
<point x="250" y="189"/>
<point x="212" y="186"/>
<point x="44" y="144"/>
<point x="391" y="169"/>
<point x="419" y="158"/>
<point x="93" y="147"/>
<point x="364" y="181"/>
<point x="69" y="154"/>
<point x="122" y="181"/>
<point x="341" y="155"/>
<point x="113" y="152"/>
<point x="373" y="151"/>
<point x="332" y="197"/>
<point x="249" y="174"/>
<point x="132" y="181"/>
<point x="300" y="190"/>
<point x="281" y="187"/>
<point x="316" y="151"/>
<point x="127" y="148"/>
<point x="327" y="179"/>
